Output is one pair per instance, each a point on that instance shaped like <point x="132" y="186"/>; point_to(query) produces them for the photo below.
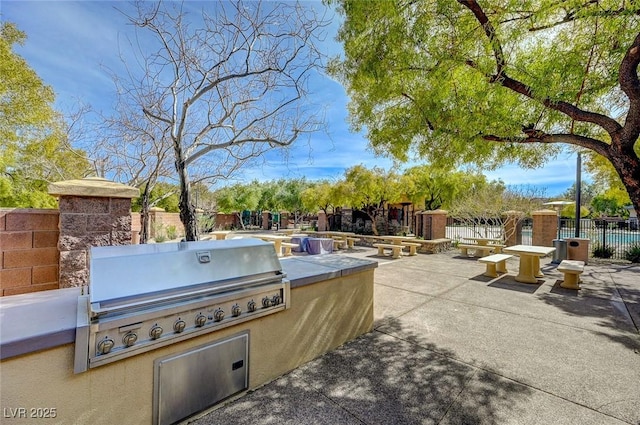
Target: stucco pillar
<point x="265" y="220"/>
<point x="545" y="227"/>
<point x="322" y="221"/>
<point x="513" y="227"/>
<point x="155" y="220"/>
<point x="346" y="223"/>
<point x="438" y="220"/>
<point x="417" y="224"/>
<point x="93" y="212"/>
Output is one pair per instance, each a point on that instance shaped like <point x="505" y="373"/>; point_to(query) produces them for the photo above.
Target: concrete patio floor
<point x="451" y="346"/>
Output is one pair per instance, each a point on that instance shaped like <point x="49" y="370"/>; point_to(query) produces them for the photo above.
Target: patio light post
<point x="578" y="193"/>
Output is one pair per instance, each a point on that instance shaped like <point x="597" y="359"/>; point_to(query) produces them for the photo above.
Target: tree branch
<point x="572" y="15"/>
<point x="489" y="31"/>
<point x="537" y="136"/>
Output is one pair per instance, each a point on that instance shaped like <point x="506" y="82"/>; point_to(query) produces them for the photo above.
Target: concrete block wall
<point x="160" y="220"/>
<point x="28" y="250"/>
<point x="87" y="222"/>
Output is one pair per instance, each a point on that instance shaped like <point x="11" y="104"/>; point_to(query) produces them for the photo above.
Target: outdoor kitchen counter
<point x="43" y="320"/>
<point x="308" y="269"/>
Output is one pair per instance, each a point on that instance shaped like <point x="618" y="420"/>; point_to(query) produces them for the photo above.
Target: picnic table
<point x="529" y="269"/>
<point x="342" y="239"/>
<point x="276" y="239"/>
<point x="483" y="246"/>
<point x="396" y="244"/>
<point x="219" y="234"/>
<point x="397" y="240"/>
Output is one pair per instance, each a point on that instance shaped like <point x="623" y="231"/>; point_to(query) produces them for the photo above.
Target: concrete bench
<point x="572" y="269"/>
<point x="351" y="241"/>
<point x="339" y="244"/>
<point x="484" y="250"/>
<point x="286" y="248"/>
<point x="413" y="247"/>
<point x="396" y="250"/>
<point x="495" y="263"/>
<point x="498" y="247"/>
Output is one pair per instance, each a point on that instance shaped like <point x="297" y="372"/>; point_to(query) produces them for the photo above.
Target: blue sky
<point x="70" y="43"/>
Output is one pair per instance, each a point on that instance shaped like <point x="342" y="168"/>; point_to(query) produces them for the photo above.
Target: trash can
<point x="561" y="251"/>
<point x="578" y="249"/>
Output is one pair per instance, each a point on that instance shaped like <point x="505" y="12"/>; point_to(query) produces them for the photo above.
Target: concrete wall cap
<point x="544" y="212"/>
<point x="94" y="187"/>
<point x="436" y="212"/>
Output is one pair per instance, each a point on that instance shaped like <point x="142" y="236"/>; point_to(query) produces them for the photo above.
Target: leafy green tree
<point x="486" y="82"/>
<point x="370" y="190"/>
<point x="289" y="196"/>
<point x="268" y="200"/>
<point x="320" y="196"/>
<point x="237" y="198"/>
<point x="569" y="211"/>
<point x="35" y="150"/>
<point x="433" y="187"/>
<point x="610" y="203"/>
<point x="164" y="195"/>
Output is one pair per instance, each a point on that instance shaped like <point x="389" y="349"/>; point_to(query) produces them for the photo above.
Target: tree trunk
<point x="241" y="221"/>
<point x="187" y="210"/>
<point x="144" y="216"/>
<point x="627" y="165"/>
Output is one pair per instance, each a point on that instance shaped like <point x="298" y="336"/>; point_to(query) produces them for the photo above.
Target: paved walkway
<point x="451" y="346"/>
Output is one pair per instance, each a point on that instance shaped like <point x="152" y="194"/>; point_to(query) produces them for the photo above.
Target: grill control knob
<point x="218" y="315"/>
<point x="236" y="310"/>
<point x="251" y="305"/>
<point x="155" y="332"/>
<point x="105" y="346"/>
<point x="201" y="319"/>
<point x="276" y="299"/>
<point x="179" y="325"/>
<point x="129" y="339"/>
<point x="266" y="302"/>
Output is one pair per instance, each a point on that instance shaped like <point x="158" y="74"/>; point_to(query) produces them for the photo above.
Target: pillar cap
<point x="94" y="187"/>
<point x="438" y="211"/>
<point x="545" y="212"/>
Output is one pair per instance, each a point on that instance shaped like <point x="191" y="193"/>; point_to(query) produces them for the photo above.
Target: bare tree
<point x="229" y="83"/>
<point x="484" y="209"/>
<point x="135" y="151"/>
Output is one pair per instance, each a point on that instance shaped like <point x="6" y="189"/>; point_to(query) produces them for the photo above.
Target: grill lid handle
<point x="203" y="256"/>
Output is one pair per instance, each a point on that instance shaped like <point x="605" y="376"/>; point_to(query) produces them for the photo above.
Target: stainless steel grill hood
<point x="122" y="277"/>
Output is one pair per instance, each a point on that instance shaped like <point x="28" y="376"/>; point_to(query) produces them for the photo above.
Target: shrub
<point x="633" y="253"/>
<point x="158" y="233"/>
<point x="602" y="251"/>
<point x="172" y="232"/>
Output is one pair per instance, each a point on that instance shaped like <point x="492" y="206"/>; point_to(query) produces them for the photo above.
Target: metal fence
<point x="608" y="238"/>
<point x="458" y="229"/>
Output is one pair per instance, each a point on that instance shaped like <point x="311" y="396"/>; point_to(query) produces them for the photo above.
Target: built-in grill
<point x="142" y="297"/>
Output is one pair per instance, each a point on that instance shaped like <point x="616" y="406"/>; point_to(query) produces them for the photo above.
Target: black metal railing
<point x="609" y="238"/>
